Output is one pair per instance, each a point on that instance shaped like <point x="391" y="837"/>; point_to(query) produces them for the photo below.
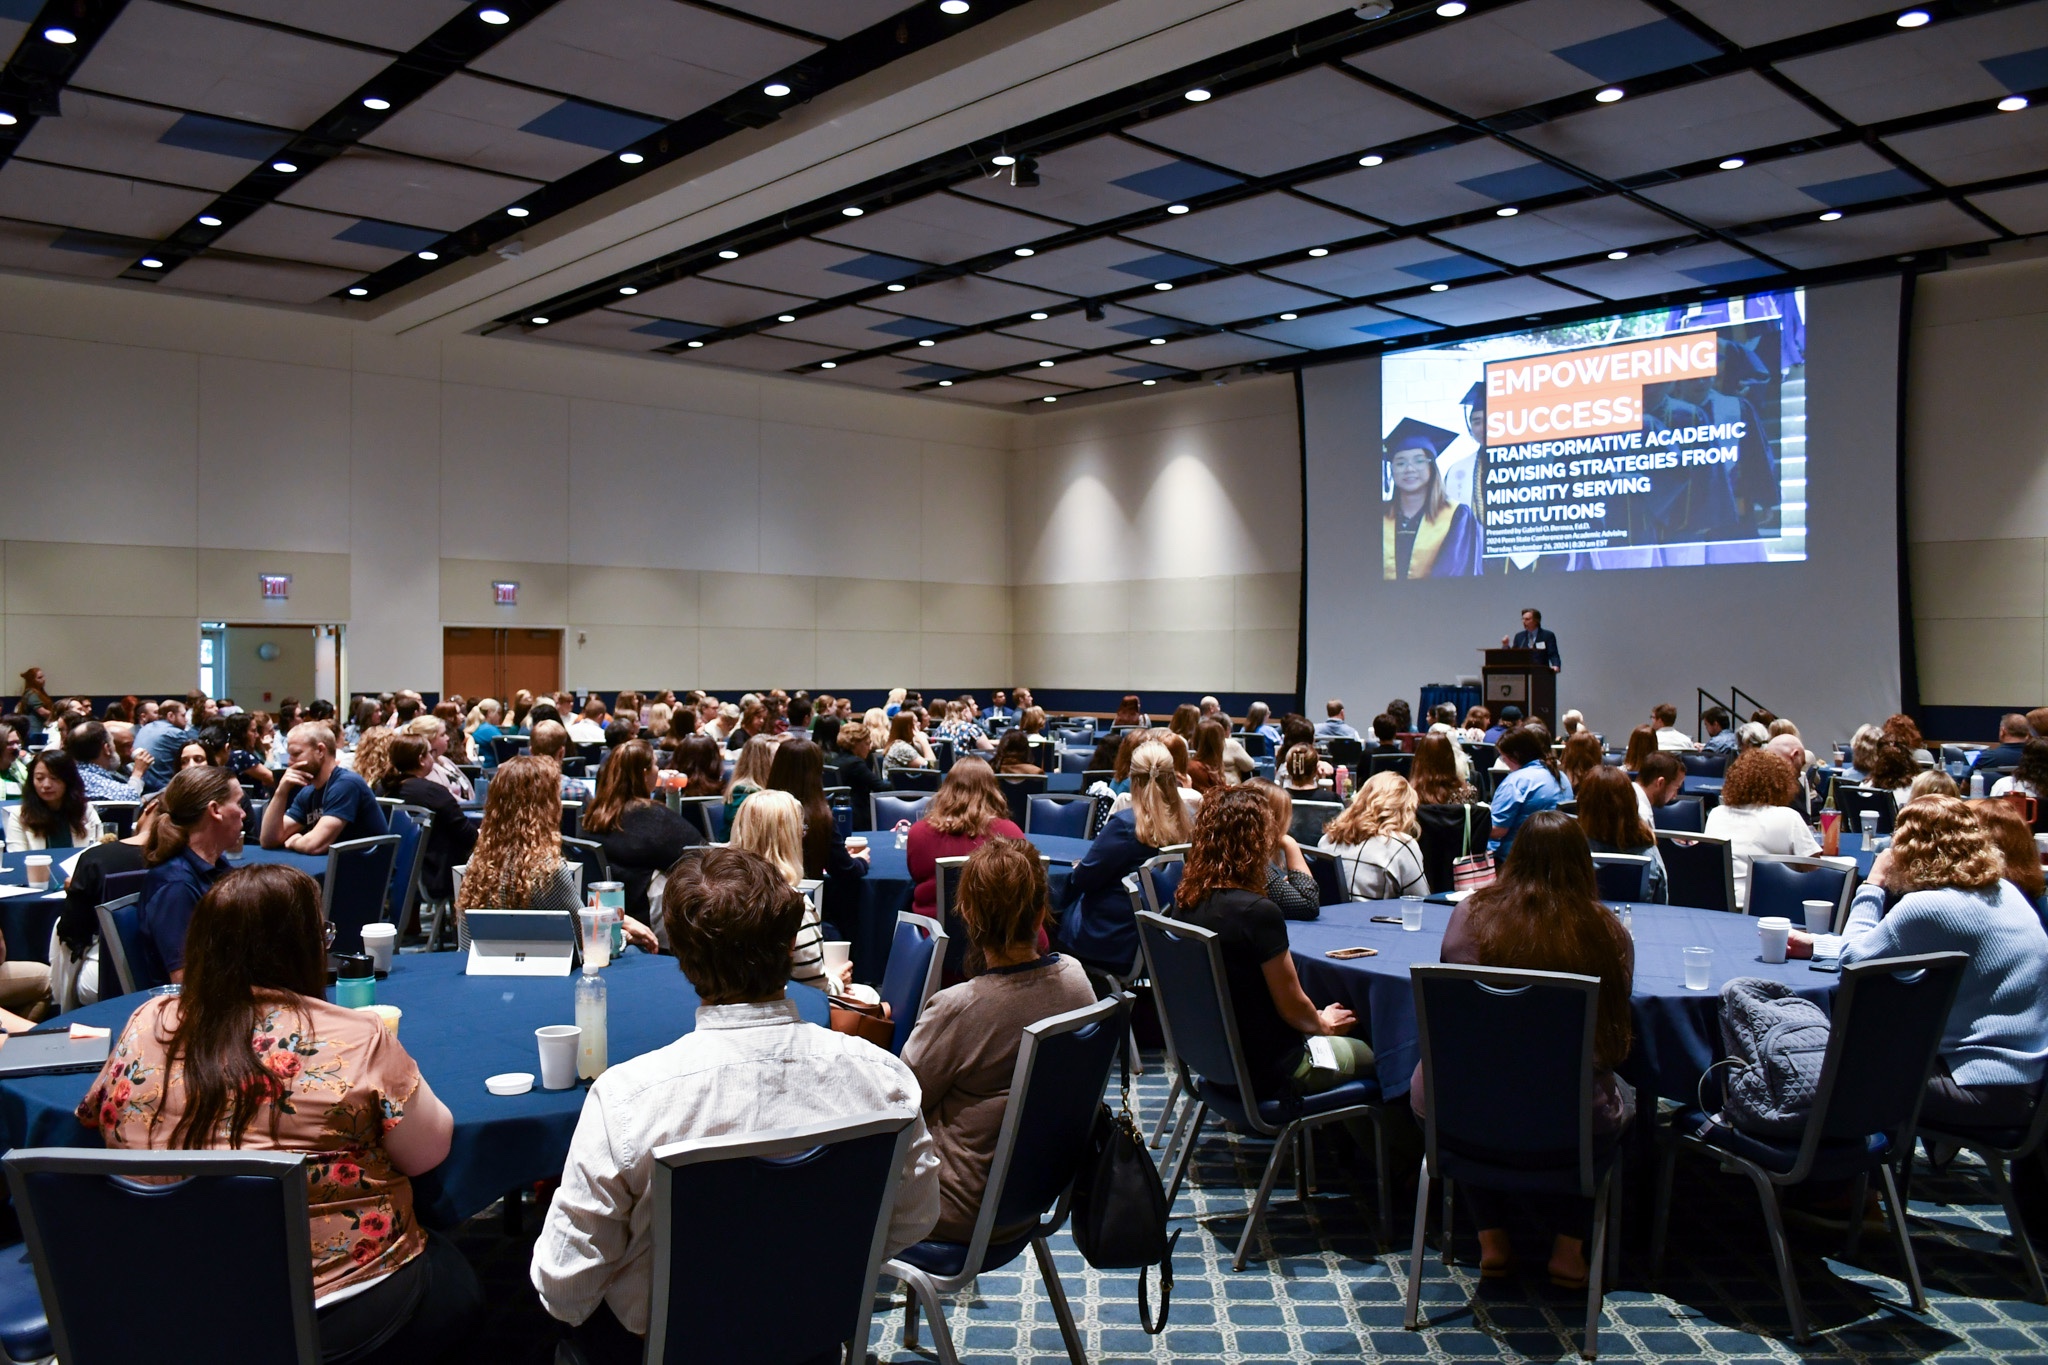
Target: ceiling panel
<point x="855" y="329"/>
<point x="165" y="145"/>
<point x="1471" y="175"/>
<point x="1248" y="229"/>
<point x="1872" y="234"/>
<point x="1671" y="128"/>
<point x="987" y="351"/>
<point x="1344" y="327"/>
<point x="15" y="16"/>
<point x="1764" y="190"/>
<point x="1934" y="67"/>
<point x="373" y="183"/>
<point x="395" y="25"/>
<point x="321" y="238"/>
<point x="1104" y="177"/>
<point x="968" y="299"/>
<point x="697" y="299"/>
<point x="1406" y="264"/>
<point x="245" y="277"/>
<point x="1106" y="265"/>
<point x="472" y="121"/>
<point x="1510" y="57"/>
<point x="64" y="251"/>
<point x="1492" y="300"/>
<point x="603" y="327"/>
<point x="2022" y="210"/>
<point x="826" y="18"/>
<point x="881" y="372"/>
<point x="1117" y="327"/>
<point x="1567" y="230"/>
<point x="943" y="228"/>
<point x="1104" y="371"/>
<point x="34" y="192"/>
<point x="758" y="352"/>
<point x="1002" y="390"/>
<point x="1714" y="263"/>
<point x="819" y="269"/>
<point x="190" y="59"/>
<point x="1755" y="22"/>
<point x="1229" y="300"/>
<point x="660" y="57"/>
<point x="1210" y="352"/>
<point x="1987" y="148"/>
<point x="1307" y="117"/>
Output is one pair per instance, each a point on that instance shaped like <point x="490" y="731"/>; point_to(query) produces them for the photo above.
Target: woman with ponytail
<point x="1096" y="924"/>
<point x="199" y="822"/>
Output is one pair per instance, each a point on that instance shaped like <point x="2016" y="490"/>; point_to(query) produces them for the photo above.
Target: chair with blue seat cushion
<point x="1349" y="753"/>
<point x="411" y="824"/>
<point x="1193" y="995"/>
<point x="590" y="853"/>
<point x="1309" y="818"/>
<point x="943" y="754"/>
<point x="1622" y="876"/>
<point x="1870" y="804"/>
<point x="725" y="1211"/>
<point x="2002" y="1149"/>
<point x="945" y="903"/>
<point x="505" y="748"/>
<point x="707" y="813"/>
<point x="121" y="944"/>
<point x="1159" y="880"/>
<point x="1387" y="762"/>
<point x="1886" y="1030"/>
<point x="24" y="1330"/>
<point x="1704" y="765"/>
<point x="1781" y="884"/>
<point x="886" y="811"/>
<point x="1075" y="760"/>
<point x="1055" y="1093"/>
<point x="1018" y="789"/>
<point x="1699" y="869"/>
<point x="357" y="887"/>
<point x="1070" y="817"/>
<point x="1680" y="816"/>
<point x="1254" y="743"/>
<point x="234" y="1218"/>
<point x="1332" y="886"/>
<point x="911" y="779"/>
<point x="1507" y="1081"/>
<point x="912" y="972"/>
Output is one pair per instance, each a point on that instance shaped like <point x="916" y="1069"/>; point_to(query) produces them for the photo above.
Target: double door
<point x="497" y="661"/>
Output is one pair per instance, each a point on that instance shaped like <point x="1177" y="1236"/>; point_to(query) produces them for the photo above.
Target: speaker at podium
<point x="1522" y="678"/>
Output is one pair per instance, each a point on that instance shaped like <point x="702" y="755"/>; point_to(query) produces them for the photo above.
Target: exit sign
<point x="505" y="594"/>
<point x="277" y="587"/>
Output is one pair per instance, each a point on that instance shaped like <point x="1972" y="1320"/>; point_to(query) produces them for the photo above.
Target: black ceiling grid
<point x="36" y="72"/>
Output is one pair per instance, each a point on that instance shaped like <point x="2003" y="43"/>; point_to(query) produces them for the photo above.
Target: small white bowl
<point x="509" y="1083"/>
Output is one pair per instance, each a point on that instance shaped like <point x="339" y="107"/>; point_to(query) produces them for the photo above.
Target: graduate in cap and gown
<point x="1427" y="535"/>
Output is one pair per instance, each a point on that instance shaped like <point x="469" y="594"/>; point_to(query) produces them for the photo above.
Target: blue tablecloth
<point x="314" y="865"/>
<point x="865" y="908"/>
<point x="26" y="921"/>
<point x="460" y="1030"/>
<point x="1677" y="1031"/>
<point x="1699" y="786"/>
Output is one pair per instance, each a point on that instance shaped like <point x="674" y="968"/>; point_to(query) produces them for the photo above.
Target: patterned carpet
<point x="1319" y="1286"/>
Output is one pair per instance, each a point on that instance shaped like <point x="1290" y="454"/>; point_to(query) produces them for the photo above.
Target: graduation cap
<point x="1475" y="397"/>
<point x="1409" y="434"/>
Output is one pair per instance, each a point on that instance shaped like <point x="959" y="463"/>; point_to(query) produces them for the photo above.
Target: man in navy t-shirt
<point x="318" y="803"/>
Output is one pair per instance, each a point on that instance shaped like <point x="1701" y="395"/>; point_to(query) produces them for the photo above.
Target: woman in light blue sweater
<point x="1952" y="897"/>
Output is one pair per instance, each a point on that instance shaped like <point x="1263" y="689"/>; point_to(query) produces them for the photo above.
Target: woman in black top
<point x="450" y="840"/>
<point x="641" y="836"/>
<point x="799" y="769"/>
<point x="1224" y="890"/>
<point x="78" y="926"/>
<point x="245" y="753"/>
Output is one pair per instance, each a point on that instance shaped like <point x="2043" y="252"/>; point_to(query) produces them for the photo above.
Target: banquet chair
<point x="1332" y="886"/>
<point x="505" y="748"/>
<point x="916" y="956"/>
<point x="412" y="825"/>
<point x="1159" y="878"/>
<point x="1688" y="816"/>
<point x="1622" y="876"/>
<point x="707" y="813"/>
<point x="1449" y="833"/>
<point x="1254" y="743"/>
<point x="1508" y="1075"/>
<point x="2002" y="1149"/>
<point x="1384" y="762"/>
<point x="118" y="816"/>
<point x="1075" y="760"/>
<point x="357" y="886"/>
<point x="1699" y="869"/>
<point x="1193" y="996"/>
<point x="1055" y="1093"/>
<point x="572" y="819"/>
<point x="1018" y="789"/>
<point x="24" y="1328"/>
<point x="1071" y="817"/>
<point x="724" y="1209"/>
<point x="943" y="750"/>
<point x="1309" y="819"/>
<point x="573" y="765"/>
<point x="1883" y="1036"/>
<point x="1348" y="752"/>
<point x="1704" y="765"/>
<point x="1780" y="884"/>
<point x="911" y="779"/>
<point x="885" y="810"/>
<point x="596" y="866"/>
<point x="232" y="1217"/>
<point x="1870" y="803"/>
<point x="945" y="892"/>
<point x="121" y="943"/>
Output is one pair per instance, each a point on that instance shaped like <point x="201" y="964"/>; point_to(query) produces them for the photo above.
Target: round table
<point x="27" y="917"/>
<point x="865" y="908"/>
<point x="459" y="1029"/>
<point x="1677" y="1031"/>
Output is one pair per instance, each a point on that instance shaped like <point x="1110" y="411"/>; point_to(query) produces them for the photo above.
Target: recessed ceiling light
<point x="1617" y="255"/>
<point x="540" y="322"/>
<point x="2012" y="104"/>
<point x="775" y="90"/>
<point x="1049" y="399"/>
<point x="1002" y="159"/>
<point x="897" y="288"/>
<point x="1831" y="215"/>
<point x="1912" y="18"/>
<point x="1371" y="160"/>
<point x="494" y="16"/>
<point x="208" y="220"/>
<point x="1023" y="251"/>
<point x="1045" y="364"/>
<point x="926" y="341"/>
<point x="1733" y="163"/>
<point x="1176" y="208"/>
<point x="1157" y="341"/>
<point x="1319" y="251"/>
<point x="728" y="255"/>
<point x="430" y="255"/>
<point x="628" y="289"/>
<point x="150" y="263"/>
<point x="695" y="345"/>
<point x="851" y="211"/>
<point x="1039" y="317"/>
<point x="631" y="158"/>
<point x="1450" y="9"/>
<point x="1197" y="95"/>
<point x="1163" y="286"/>
<point x="1438" y="288"/>
<point x="359" y="292"/>
<point x="785" y="317"/>
<point x="7" y="120"/>
<point x="953" y="6"/>
<point x="516" y="212"/>
<point x="374" y="103"/>
<point x="1610" y="94"/>
<point x="1289" y="317"/>
<point x="1150" y="382"/>
<point x="1508" y="212"/>
<point x="828" y="364"/>
<point x="62" y="37"/>
<point x="284" y="166"/>
<point x="945" y="383"/>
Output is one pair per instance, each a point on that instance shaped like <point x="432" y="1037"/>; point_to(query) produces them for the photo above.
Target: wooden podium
<point x="1521" y="677"/>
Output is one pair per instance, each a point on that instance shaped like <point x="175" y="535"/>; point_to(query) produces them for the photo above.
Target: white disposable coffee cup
<point x="558" y="1044"/>
<point x="1820" y="916"/>
<point x="1772" y="931"/>
<point x="379" y="941"/>
<point x="837" y="955"/>
<point x="38" y="865"/>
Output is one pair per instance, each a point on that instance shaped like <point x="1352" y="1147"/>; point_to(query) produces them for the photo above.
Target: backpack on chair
<point x="1776" y="1042"/>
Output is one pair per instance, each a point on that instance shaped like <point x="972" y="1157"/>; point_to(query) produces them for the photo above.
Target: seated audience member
<point x="753" y="720"/>
<point x="1932" y="782"/>
<point x="857" y="774"/>
<point x="319" y="803"/>
<point x="450" y="838"/>
<point x="1544" y="914"/>
<point x="1398" y="708"/>
<point x="449" y="713"/>
<point x="1289" y="883"/>
<point x="620" y="731"/>
<point x="441" y="766"/>
<point x="199" y="822"/>
<point x="208" y="748"/>
<point x="1901" y="729"/>
<point x="1205" y="764"/>
<point x="13" y="765"/>
<point x="2006" y="828"/>
<point x="92" y="751"/>
<point x="250" y="1055"/>
<point x="1333" y="725"/>
<point x="1103" y="760"/>
<point x="1435" y="774"/>
<point x="967" y="811"/>
<point x="799" y="769"/>
<point x="1948" y="878"/>
<point x="1032" y="721"/>
<point x="485" y="723"/>
<point x="1642" y="742"/>
<point x="1659" y="782"/>
<point x="1177" y="748"/>
<point x="1223" y="890"/>
<point x="1789" y="748"/>
<point x="772" y="825"/>
<point x="1386" y="733"/>
<point x="1532" y="784"/>
<point x="1508" y="719"/>
<point x="551" y="741"/>
<point x="1295" y="729"/>
<point x="964" y="1047"/>
<point x="1096" y="924"/>
<point x="1478" y="720"/>
<point x="248" y="750"/>
<point x="1862" y="751"/>
<point x="1301" y="771"/>
<point x="907" y="747"/>
<point x="1375" y="839"/>
<point x="700" y="763"/>
<point x="1751" y="734"/>
<point x="1013" y="755"/>
<point x="1258" y="720"/>
<point x="1186" y="719"/>
<point x="161" y="739"/>
<point x="2030" y="777"/>
<point x="1130" y="712"/>
<point x="76" y="950"/>
<point x="1720" y="739"/>
<point x="1753" y="815"/>
<point x="1891" y="767"/>
<point x="1581" y="755"/>
<point x="588" y="727"/>
<point x="1613" y="823"/>
<point x="749" y="774"/>
<point x="749" y="1065"/>
<point x="517" y="863"/>
<point x="1670" y="738"/>
<point x="53" y="812"/>
<point x="1570" y="723"/>
<point x="2013" y="734"/>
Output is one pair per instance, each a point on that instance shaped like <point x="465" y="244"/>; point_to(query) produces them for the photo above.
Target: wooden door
<point x="486" y="661"/>
<point x="469" y="661"/>
<point x="532" y="659"/>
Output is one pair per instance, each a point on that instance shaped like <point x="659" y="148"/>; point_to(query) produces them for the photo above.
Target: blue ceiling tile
<point x="2020" y="70"/>
<point x="1447" y="268"/>
<point x="674" y="331"/>
<point x="95" y="244"/>
<point x="391" y="236"/>
<point x="1729" y="271"/>
<point x="875" y="266"/>
<point x="1147" y="371"/>
<point x="223" y="137"/>
<point x="1147" y="327"/>
<point x="1523" y="182"/>
<point x="937" y="372"/>
<point x="1397" y="327"/>
<point x="1861" y="189"/>
<point x="913" y="327"/>
<point x="22" y="11"/>
<point x="1164" y="266"/>
<point x="586" y="125"/>
<point x="1656" y="46"/>
<point x="1176" y="181"/>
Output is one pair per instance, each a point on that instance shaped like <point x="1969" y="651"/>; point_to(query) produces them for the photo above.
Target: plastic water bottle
<point x="1976" y="785"/>
<point x="593" y="1049"/>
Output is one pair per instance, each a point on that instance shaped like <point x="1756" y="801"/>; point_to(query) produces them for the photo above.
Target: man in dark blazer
<point x="1532" y="635"/>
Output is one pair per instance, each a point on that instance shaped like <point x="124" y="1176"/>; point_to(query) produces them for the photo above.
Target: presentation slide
<point x="1644" y="440"/>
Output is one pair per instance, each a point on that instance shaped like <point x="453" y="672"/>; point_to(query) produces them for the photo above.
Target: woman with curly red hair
<point x="1756" y="816"/>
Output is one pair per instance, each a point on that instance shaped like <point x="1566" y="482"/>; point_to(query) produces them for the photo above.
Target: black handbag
<point x="1120" y="1212"/>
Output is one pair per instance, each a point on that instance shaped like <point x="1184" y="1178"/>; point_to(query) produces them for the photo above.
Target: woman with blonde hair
<point x="440" y="767"/>
<point x="1375" y="841"/>
<point x="1095" y="923"/>
<point x="876" y="722"/>
<point x="373" y="755"/>
<point x="771" y="824"/>
<point x="967" y="811"/>
<point x="749" y="774"/>
<point x="517" y="863"/>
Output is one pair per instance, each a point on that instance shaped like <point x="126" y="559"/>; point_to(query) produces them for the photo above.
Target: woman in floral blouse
<point x="251" y="1055"/>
